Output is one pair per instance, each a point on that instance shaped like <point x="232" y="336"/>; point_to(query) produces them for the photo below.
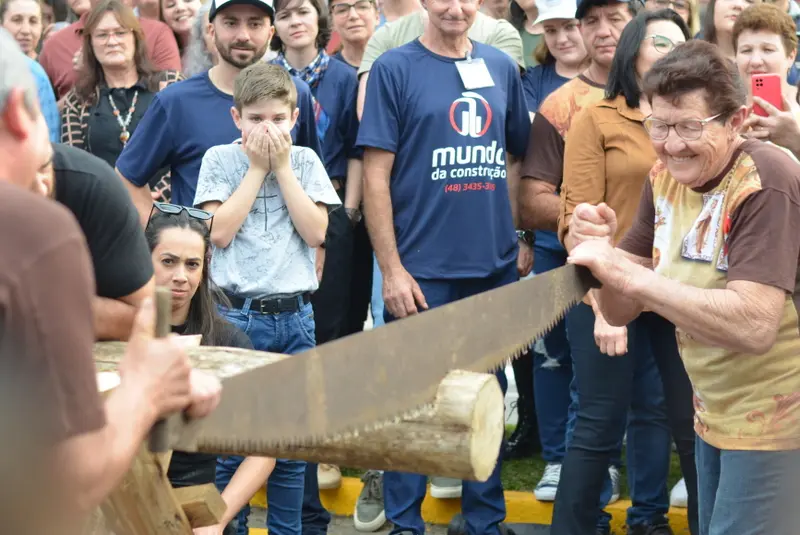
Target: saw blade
<point x="366" y="380"/>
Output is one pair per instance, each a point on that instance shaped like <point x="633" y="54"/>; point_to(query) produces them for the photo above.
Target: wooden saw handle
<point x="158" y="441"/>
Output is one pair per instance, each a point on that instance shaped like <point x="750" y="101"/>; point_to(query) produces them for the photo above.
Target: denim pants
<point x="607" y="388"/>
<point x="376" y="303"/>
<point x="745" y="492"/>
<point x="483" y="504"/>
<point x="289" y="333"/>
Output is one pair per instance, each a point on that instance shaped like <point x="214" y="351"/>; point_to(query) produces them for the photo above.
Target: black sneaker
<point x="458" y="526"/>
<point x="653" y="529"/>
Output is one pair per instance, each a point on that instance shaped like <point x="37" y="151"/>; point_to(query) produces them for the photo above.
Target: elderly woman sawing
<point x="714" y="249"/>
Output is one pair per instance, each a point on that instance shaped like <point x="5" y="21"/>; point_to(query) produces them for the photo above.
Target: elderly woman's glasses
<point x="175" y="209"/>
<point x="686" y="130"/>
<point x="663" y="45"/>
<point x="342" y="9"/>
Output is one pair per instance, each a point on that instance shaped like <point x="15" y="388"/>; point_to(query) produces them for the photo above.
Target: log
<point x="458" y="435"/>
<point x="144" y="502"/>
<point x="202" y="504"/>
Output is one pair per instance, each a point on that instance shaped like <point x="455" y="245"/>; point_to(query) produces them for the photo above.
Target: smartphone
<point x="768" y="87"/>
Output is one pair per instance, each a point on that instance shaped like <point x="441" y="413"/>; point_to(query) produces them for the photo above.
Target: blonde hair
<point x="264" y="81"/>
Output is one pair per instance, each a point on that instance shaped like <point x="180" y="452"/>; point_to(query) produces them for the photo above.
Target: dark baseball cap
<point x="219" y="5"/>
<point x="585" y="5"/>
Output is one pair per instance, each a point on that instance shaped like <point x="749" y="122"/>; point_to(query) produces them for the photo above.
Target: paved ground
<point x="341" y="525"/>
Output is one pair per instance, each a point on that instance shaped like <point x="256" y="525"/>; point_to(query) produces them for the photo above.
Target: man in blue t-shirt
<point x="189" y="117"/>
<point x="441" y="175"/>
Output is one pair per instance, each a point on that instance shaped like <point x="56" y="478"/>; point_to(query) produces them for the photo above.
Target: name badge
<point x="474" y="73"/>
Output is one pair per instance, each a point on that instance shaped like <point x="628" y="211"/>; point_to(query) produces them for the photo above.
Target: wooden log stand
<point x="458" y="435"/>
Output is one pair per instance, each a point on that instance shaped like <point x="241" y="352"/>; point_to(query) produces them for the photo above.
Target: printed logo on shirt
<point x="470" y="116"/>
<point x="472" y="123"/>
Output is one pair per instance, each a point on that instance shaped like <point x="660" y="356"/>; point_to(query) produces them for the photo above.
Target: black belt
<point x="272" y="306"/>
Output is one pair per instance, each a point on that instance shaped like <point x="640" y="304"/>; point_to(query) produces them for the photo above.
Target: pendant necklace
<point x="123" y="123"/>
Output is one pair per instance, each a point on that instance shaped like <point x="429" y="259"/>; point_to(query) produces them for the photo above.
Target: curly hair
<point x="767" y="18"/>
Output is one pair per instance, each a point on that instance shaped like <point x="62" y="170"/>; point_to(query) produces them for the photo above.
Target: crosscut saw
<point x="366" y="380"/>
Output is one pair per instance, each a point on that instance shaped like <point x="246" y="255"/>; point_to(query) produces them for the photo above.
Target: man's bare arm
<point x="378" y="207"/>
<point x="355" y="183"/>
<point x="141" y="196"/>
<point x="538" y="205"/>
<point x="362" y="94"/>
<point x="512" y="179"/>
<point x="113" y="318"/>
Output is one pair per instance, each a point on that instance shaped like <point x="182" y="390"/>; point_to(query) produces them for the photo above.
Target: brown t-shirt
<point x="46" y="324"/>
<point x="544" y="158"/>
<point x="59" y="50"/>
<point x="607" y="158"/>
<point x="743" y="225"/>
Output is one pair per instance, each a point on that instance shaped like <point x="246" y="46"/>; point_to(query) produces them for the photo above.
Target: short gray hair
<point x="15" y="72"/>
<point x="197" y="58"/>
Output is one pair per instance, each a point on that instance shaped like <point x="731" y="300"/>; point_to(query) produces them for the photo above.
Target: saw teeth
<point x="249" y="447"/>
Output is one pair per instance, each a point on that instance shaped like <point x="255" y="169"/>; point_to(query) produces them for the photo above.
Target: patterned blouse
<point x="76" y="117"/>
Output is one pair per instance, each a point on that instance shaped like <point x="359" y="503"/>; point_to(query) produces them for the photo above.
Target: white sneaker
<point x="545" y="490"/>
<point x="613" y="473"/>
<point x="679" y="497"/>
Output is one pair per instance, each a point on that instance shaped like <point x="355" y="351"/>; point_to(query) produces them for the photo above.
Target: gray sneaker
<point x="370" y="515"/>
<point x="445" y="488"/>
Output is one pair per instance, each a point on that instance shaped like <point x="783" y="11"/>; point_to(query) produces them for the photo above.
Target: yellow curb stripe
<point x="521" y="508"/>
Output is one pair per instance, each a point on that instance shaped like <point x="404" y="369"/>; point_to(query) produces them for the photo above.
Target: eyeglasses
<point x="103" y="37"/>
<point x="362" y="6"/>
<point x="686" y="130"/>
<point x="675" y="5"/>
<point x="175" y="209"/>
<point x="663" y="45"/>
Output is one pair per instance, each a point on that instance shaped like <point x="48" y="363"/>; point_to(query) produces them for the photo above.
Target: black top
<point x="103" y="130"/>
<point x="95" y="195"/>
<point x="187" y="469"/>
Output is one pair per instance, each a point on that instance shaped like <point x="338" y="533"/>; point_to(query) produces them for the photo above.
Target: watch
<point x="527" y="236"/>
<point x="354" y="214"/>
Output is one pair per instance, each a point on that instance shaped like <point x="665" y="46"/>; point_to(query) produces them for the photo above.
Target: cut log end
<point x="487" y="429"/>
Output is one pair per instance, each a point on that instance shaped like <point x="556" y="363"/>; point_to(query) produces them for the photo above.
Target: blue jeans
<point x="608" y="387"/>
<point x="483" y="504"/>
<point x="554" y="387"/>
<point x="289" y="333"/>
<point x="376" y="303"/>
<point x="747" y="492"/>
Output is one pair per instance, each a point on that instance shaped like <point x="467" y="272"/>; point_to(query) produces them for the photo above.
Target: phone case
<point x="768" y="87"/>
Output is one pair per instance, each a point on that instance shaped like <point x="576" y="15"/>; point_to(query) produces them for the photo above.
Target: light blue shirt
<point x="47" y="100"/>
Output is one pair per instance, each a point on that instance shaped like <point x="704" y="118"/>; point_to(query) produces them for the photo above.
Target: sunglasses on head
<point x="175" y="209"/>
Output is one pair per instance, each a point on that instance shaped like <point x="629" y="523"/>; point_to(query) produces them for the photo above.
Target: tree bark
<point x="458" y="435"/>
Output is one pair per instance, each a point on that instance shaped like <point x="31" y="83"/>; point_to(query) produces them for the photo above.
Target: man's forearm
<point x="512" y="182"/>
<point x="355" y="183"/>
<point x="539" y="206"/>
<point x="141" y="197"/>
<point x="379" y="216"/>
<point x="113" y="319"/>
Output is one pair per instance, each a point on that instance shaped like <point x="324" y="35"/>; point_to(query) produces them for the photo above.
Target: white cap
<point x="555" y="9"/>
